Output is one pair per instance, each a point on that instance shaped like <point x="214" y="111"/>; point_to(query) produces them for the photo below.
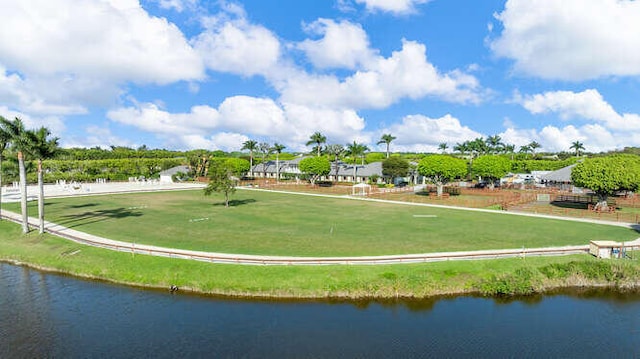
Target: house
<point x="560" y="178"/>
<point x="166" y="176"/>
<point x="340" y="172"/>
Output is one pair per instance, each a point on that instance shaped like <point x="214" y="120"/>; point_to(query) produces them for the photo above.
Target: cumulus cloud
<point x="406" y="73"/>
<point x="53" y="123"/>
<point x="343" y="44"/>
<point x="397" y="7"/>
<point x="586" y="105"/>
<point x="419" y="133"/>
<point x="115" y="40"/>
<point x="599" y="126"/>
<point x="231" y="44"/>
<point x="238" y="118"/>
<point x="571" y="39"/>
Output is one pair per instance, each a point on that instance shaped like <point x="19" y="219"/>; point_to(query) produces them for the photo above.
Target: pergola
<point x="360" y="189"/>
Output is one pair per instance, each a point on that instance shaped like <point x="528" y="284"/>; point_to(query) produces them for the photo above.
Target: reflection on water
<point x="43" y="315"/>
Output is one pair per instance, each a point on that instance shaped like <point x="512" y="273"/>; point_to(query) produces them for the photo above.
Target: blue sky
<point x="184" y="74"/>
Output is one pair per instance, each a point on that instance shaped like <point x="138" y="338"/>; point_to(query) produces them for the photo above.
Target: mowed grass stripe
<point x="284" y="224"/>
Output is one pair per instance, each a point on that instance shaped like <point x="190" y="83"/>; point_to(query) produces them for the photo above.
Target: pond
<point x="47" y="315"/>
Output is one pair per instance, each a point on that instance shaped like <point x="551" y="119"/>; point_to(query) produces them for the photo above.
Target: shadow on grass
<point x="236" y="202"/>
<point x="81" y="219"/>
<point x="571" y="205"/>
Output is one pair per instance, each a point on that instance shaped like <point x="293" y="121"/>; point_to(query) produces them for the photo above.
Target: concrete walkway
<point x="214" y="257"/>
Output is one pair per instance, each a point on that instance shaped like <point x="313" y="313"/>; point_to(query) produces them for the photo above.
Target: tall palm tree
<point x="356" y="150"/>
<point x="534" y="146"/>
<point x="318" y="139"/>
<point x="265" y="150"/>
<point x="526" y="149"/>
<point x="577" y="146"/>
<point x="20" y="143"/>
<point x="250" y="145"/>
<point x="443" y="147"/>
<point x="4" y="142"/>
<point x="42" y="148"/>
<point x="277" y="148"/>
<point x="510" y="149"/>
<point x="494" y="143"/>
<point x="386" y="139"/>
<point x="336" y="151"/>
<point x="463" y="147"/>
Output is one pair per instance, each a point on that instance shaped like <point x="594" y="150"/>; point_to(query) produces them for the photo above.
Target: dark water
<point x="44" y="315"/>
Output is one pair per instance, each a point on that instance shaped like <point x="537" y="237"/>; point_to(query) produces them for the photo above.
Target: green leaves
<point x="441" y="169"/>
<point x="607" y="175"/>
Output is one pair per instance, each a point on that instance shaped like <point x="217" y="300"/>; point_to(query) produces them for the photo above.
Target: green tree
<point x="250" y="145"/>
<point x="394" y="167"/>
<point x="41" y="147"/>
<point x="534" y="146"/>
<point x="265" y="150"/>
<point x="356" y="150"/>
<point x="491" y="167"/>
<point x="318" y="139"/>
<point x="5" y="137"/>
<point x="442" y="169"/>
<point x="335" y="151"/>
<point x="278" y="148"/>
<point x="315" y="167"/>
<point x="443" y="147"/>
<point x="577" y="146"/>
<point x="386" y="139"/>
<point x="607" y="175"/>
<point x="19" y="143"/>
<point x="221" y="180"/>
<point x="495" y="144"/>
<point x="239" y="166"/>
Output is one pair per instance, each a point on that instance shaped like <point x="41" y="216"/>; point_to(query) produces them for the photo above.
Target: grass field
<point x="284" y="224"/>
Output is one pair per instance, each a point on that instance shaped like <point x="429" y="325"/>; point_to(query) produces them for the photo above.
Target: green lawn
<point x="284" y="224"/>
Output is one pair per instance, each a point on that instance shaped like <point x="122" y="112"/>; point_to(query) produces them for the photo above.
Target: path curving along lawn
<point x="295" y="225"/>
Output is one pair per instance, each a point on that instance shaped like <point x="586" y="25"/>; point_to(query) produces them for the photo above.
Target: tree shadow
<point x="570" y="205"/>
<point x="89" y="217"/>
<point x="236" y="202"/>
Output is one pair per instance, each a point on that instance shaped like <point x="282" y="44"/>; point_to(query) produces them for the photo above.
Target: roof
<point x="561" y="175"/>
<point x="174" y="170"/>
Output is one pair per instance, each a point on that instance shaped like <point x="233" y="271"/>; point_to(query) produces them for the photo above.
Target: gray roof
<point x="174" y="170"/>
<point x="562" y="175"/>
<point x="344" y="169"/>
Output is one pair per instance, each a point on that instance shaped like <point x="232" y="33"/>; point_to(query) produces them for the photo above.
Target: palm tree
<point x="277" y="148"/>
<point x="526" y="149"/>
<point x="494" y="143"/>
<point x="4" y="142"/>
<point x="318" y="139"/>
<point x="463" y="147"/>
<point x="443" y="147"/>
<point x="356" y="150"/>
<point x="533" y="146"/>
<point x="250" y="145"/>
<point x="510" y="149"/>
<point x="20" y="144"/>
<point x="265" y="150"/>
<point x="41" y="148"/>
<point x="386" y="139"/>
<point x="478" y="147"/>
<point x="336" y="151"/>
<point x="577" y="146"/>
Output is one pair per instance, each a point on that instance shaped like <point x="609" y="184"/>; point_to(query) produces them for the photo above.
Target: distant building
<point x="166" y="176"/>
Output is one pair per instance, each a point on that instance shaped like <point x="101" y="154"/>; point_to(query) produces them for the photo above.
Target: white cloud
<point x="587" y="105"/>
<point x="343" y="44"/>
<point x="228" y="141"/>
<point x="418" y="133"/>
<point x="571" y="39"/>
<point x="406" y="73"/>
<point x="177" y="5"/>
<point x="393" y="6"/>
<point x="113" y="40"/>
<point x="53" y="123"/>
<point x="258" y="118"/>
<point x="231" y="44"/>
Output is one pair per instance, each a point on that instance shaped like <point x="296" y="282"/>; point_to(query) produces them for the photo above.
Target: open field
<point x="489" y="277"/>
<point x="284" y="224"/>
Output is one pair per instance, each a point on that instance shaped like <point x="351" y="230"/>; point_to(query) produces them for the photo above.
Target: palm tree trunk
<point x="23" y="193"/>
<point x="40" y="197"/>
<point x="387" y="149"/>
<point x="251" y="163"/>
<point x="277" y="167"/>
<point x="0" y="186"/>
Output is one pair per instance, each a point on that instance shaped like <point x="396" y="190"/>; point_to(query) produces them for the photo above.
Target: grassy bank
<point x="490" y="277"/>
<point x="284" y="224"/>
